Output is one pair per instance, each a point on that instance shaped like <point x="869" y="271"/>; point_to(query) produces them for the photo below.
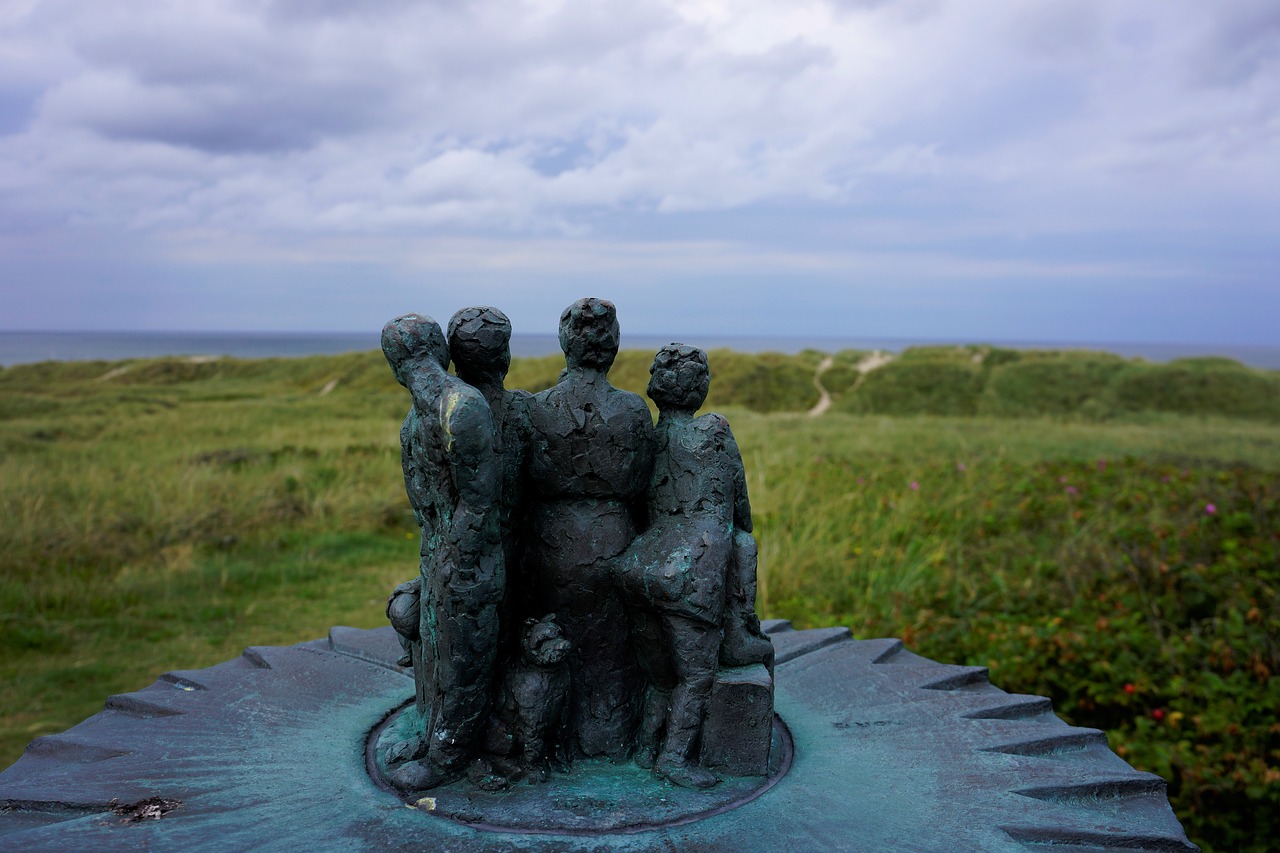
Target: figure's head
<point x="589" y="334"/>
<point x="543" y="643"/>
<point x="679" y="378"/>
<point x="480" y="343"/>
<point x="412" y="337"/>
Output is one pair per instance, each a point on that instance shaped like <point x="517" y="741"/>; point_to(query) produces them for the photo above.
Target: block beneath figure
<point x="739" y="723"/>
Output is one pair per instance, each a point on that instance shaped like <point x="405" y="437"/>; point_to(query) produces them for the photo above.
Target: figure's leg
<point x="649" y="641"/>
<point x="653" y="719"/>
<point x="607" y="680"/>
<point x="695" y="653"/>
<point x="533" y="755"/>
<point x="744" y="642"/>
<point x="571" y="550"/>
<point x="408" y="743"/>
<point x="464" y="678"/>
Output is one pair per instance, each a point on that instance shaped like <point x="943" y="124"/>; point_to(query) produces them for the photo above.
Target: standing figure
<point x="453" y="480"/>
<point x="678" y="572"/>
<point x="589" y="463"/>
<point x="480" y="343"/>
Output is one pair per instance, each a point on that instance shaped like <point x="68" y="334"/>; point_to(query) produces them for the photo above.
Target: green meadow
<point x="1102" y="531"/>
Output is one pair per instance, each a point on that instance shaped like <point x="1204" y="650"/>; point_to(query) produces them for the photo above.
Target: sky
<point x="1015" y="170"/>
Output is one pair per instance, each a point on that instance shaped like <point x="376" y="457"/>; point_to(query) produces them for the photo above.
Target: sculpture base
<point x="597" y="797"/>
<point x="892" y="752"/>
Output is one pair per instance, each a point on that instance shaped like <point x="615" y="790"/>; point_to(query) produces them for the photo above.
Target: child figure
<point x="678" y="573"/>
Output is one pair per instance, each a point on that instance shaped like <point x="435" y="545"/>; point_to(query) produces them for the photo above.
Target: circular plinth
<point x="598" y="797"/>
<point x="891" y="752"/>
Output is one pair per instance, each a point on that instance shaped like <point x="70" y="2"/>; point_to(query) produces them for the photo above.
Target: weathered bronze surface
<point x="453" y="479"/>
<point x="587" y="580"/>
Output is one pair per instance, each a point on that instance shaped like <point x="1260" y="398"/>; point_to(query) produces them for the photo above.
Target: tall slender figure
<point x="453" y="481"/>
<point x="480" y="344"/>
<point x="589" y="462"/>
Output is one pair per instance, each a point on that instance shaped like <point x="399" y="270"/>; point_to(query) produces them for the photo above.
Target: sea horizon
<point x="30" y="346"/>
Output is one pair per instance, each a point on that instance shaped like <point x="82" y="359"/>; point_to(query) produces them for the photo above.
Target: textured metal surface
<point x="892" y="752"/>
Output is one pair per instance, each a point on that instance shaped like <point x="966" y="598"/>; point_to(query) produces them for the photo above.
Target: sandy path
<point x="870" y="362"/>
<point x="824" y="398"/>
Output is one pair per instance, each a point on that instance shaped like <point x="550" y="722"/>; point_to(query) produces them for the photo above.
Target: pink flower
<point x="1071" y="490"/>
<point x="915" y="487"/>
<point x="960" y="467"/>
<point x="1102" y="464"/>
<point x="1210" y="509"/>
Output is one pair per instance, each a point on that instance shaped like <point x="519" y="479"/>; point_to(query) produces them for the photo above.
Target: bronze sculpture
<point x="452" y="479"/>
<point x="629" y="580"/>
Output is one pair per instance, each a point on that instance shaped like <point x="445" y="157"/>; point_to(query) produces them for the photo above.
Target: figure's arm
<point x="519" y="414"/>
<point x="467" y="427"/>
<point x="741" y="503"/>
<point x="409" y="466"/>
<point x="642" y="444"/>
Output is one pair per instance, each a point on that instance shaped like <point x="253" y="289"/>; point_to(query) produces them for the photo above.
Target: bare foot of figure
<point x="686" y="775"/>
<point x="644" y="756"/>
<point x="420" y="775"/>
<point x="409" y="749"/>
<point x="486" y="776"/>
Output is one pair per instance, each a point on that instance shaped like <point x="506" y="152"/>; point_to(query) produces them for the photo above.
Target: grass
<point x="1100" y="542"/>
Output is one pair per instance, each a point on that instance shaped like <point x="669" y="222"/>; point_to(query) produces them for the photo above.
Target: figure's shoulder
<point x="628" y="401"/>
<point x="463" y="406"/>
<point x="714" y="429"/>
<point x="713" y="423"/>
<point x="456" y="389"/>
<point x="519" y="396"/>
<point x="518" y="404"/>
<point x="547" y="395"/>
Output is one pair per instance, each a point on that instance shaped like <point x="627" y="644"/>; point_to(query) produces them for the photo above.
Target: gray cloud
<point x="1244" y="44"/>
<point x="404" y="114"/>
<point x="927" y="124"/>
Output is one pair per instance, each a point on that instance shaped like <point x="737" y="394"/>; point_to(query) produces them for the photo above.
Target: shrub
<point x="1049" y="384"/>
<point x="767" y="382"/>
<point x="1198" y="388"/>
<point x="915" y="386"/>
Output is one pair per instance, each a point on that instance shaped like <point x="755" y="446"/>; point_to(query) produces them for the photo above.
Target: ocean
<point x="26" y="347"/>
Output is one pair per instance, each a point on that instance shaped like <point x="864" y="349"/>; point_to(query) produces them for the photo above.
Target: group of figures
<point x="584" y="573"/>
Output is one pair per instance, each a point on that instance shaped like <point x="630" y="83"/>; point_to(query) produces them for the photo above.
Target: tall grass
<point x="1085" y="385"/>
<point x="162" y="514"/>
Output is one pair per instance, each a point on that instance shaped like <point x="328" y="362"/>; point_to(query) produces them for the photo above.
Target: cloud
<point x="451" y="112"/>
<point x="814" y="130"/>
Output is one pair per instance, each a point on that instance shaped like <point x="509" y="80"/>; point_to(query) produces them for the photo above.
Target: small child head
<point x="543" y="642"/>
<point x="679" y="378"/>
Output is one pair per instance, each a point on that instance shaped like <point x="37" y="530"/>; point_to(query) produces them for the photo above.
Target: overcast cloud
<point x="1057" y="169"/>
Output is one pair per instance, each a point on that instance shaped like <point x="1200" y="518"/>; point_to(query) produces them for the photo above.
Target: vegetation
<point x="1083" y="385"/>
<point x="1111" y="540"/>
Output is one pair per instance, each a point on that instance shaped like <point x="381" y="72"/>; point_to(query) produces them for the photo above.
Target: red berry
<point x="1129" y="688"/>
<point x="1157" y="714"/>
